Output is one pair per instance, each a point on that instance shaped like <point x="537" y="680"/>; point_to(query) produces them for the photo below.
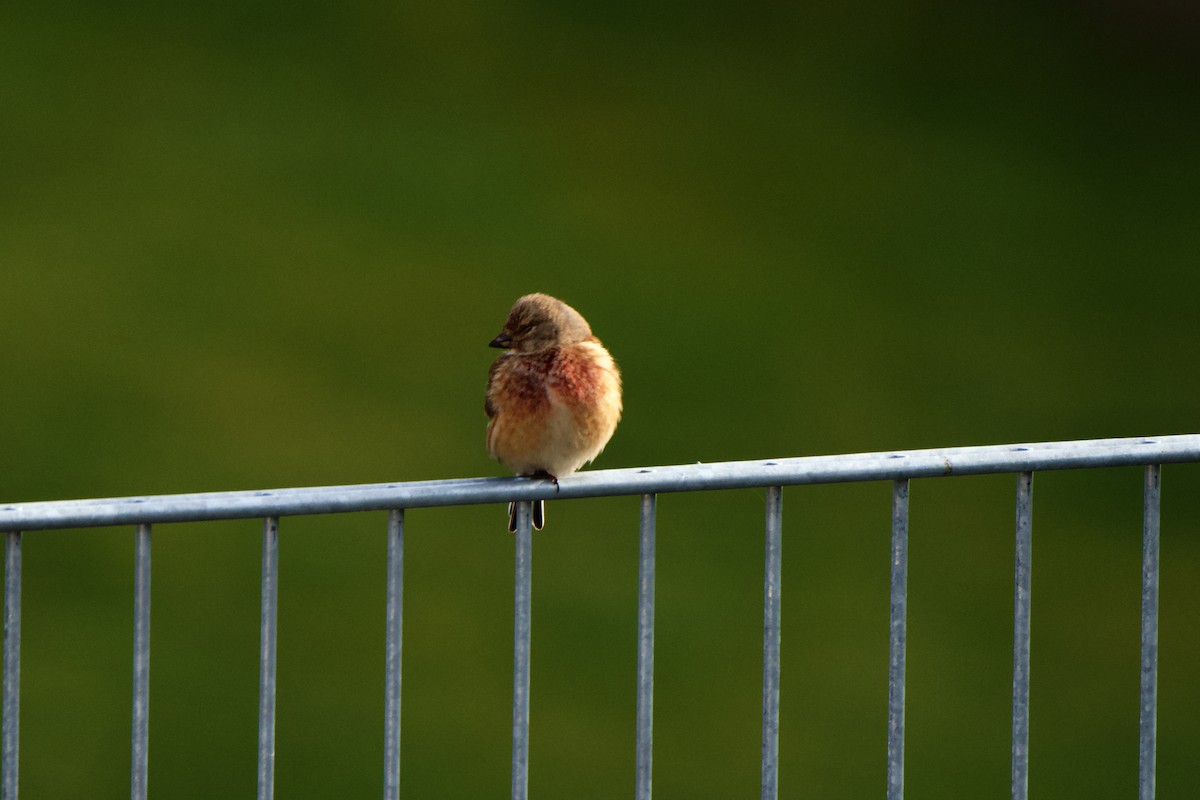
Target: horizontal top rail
<point x="896" y="465"/>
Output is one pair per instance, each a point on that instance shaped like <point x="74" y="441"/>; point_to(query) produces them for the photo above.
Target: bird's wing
<point x="489" y="408"/>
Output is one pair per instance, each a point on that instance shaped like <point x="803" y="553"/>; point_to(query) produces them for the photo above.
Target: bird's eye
<point x="525" y="329"/>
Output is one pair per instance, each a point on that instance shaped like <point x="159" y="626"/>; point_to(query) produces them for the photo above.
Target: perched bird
<point x="554" y="396"/>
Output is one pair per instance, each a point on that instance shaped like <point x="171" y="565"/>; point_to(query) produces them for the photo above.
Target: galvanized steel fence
<point x="898" y="467"/>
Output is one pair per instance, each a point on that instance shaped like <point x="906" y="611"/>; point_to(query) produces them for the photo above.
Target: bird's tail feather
<point x="539" y="516"/>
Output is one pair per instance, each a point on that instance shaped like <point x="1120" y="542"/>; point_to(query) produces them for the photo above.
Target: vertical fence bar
<point x="522" y="592"/>
<point x="10" y="749"/>
<point x="1147" y="739"/>
<point x="395" y="627"/>
<point x="771" y="611"/>
<point x="897" y="640"/>
<point x="266" y="659"/>
<point x="645" y="662"/>
<point x="1021" y="598"/>
<point x="139" y="760"/>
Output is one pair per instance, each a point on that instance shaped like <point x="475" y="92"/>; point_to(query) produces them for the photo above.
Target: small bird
<point x="553" y="397"/>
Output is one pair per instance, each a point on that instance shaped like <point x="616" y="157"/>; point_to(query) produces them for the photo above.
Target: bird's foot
<point x="546" y="476"/>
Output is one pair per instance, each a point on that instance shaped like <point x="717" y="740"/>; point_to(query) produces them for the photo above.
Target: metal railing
<point x="898" y="467"/>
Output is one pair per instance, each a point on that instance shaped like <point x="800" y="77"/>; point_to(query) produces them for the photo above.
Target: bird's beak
<point x="503" y="341"/>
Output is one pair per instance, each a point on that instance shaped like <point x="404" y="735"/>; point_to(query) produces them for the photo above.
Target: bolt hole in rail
<point x="900" y="468"/>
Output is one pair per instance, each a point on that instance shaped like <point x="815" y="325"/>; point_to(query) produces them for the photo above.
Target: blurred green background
<point x="265" y="244"/>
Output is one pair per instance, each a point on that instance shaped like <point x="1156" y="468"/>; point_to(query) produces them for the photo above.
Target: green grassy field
<point x="267" y="246"/>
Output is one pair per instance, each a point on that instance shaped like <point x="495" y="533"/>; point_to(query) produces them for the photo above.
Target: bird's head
<point x="539" y="322"/>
